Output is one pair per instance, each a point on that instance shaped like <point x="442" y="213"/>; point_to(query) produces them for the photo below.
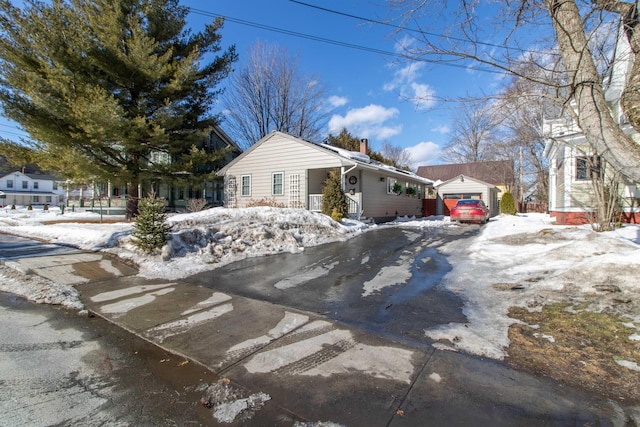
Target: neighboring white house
<point x="17" y="188"/>
<point x="176" y="192"/>
<point x="570" y="188"/>
<point x="465" y="187"/>
<point x="283" y="170"/>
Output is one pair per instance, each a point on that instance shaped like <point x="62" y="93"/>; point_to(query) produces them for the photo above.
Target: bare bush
<point x="196" y="205"/>
<point x="265" y="201"/>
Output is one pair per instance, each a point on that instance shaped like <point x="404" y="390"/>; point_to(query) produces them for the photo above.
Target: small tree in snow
<point x="334" y="202"/>
<point x="150" y="229"/>
<point x="508" y="204"/>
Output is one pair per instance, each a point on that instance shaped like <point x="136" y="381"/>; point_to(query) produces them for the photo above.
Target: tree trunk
<point x="132" y="200"/>
<point x="594" y="116"/>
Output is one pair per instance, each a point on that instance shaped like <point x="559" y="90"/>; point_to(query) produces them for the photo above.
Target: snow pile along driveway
<point x="525" y="261"/>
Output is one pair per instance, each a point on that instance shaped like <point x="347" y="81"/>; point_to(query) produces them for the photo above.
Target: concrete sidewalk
<point x="306" y="368"/>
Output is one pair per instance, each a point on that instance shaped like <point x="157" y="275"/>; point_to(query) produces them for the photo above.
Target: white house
<point x="284" y="170"/>
<point x="17" y="188"/>
<point x="571" y="197"/>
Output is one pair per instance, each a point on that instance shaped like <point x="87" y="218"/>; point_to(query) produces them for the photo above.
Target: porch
<point x="354" y="201"/>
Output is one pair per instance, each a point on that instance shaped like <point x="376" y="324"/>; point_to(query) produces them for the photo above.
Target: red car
<point x="470" y="210"/>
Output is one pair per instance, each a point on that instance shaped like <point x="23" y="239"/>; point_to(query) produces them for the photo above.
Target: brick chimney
<point x="364" y="145"/>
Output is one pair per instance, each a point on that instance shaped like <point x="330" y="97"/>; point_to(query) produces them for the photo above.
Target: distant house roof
<point x="34" y="176"/>
<point x="499" y="172"/>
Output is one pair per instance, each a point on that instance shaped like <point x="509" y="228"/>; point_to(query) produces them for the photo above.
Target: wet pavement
<point x="332" y="334"/>
<point x="384" y="282"/>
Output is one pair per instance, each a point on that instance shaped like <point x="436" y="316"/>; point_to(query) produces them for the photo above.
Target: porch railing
<point x="315" y="204"/>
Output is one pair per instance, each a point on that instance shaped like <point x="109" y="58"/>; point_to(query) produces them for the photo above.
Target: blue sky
<point x="369" y="93"/>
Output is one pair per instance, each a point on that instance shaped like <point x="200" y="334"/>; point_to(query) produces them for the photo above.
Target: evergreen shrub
<point x="150" y="228"/>
<point x="508" y="204"/>
<point x="334" y="201"/>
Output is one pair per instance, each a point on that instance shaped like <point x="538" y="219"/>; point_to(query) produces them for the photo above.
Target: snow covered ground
<point x="521" y="260"/>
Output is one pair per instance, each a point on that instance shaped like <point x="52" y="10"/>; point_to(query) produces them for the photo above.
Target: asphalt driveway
<point x="385" y="281"/>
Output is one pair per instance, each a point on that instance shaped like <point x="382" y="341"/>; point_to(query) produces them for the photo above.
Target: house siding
<point x="382" y="206"/>
<point x="488" y="193"/>
<point x="267" y="159"/>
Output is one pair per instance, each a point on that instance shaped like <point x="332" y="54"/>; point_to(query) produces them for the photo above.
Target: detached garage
<point x="464" y="187"/>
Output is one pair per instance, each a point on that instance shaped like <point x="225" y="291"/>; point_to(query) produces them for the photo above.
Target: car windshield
<point x="468" y="203"/>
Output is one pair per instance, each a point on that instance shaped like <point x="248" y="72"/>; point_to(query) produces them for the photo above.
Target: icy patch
<point x="544" y="336"/>
<point x="306" y="276"/>
<point x="38" y="289"/>
<point x="629" y="365"/>
<point x="228" y="411"/>
<point x="634" y="337"/>
<point x="289" y="322"/>
<point x="389" y="276"/>
<point x="215" y="299"/>
<point x="379" y="362"/>
<point x="107" y="266"/>
<point x="435" y="377"/>
<point x="127" y="305"/>
<point x="271" y="360"/>
<point x="180" y="326"/>
<point x="111" y="295"/>
<point x="317" y="424"/>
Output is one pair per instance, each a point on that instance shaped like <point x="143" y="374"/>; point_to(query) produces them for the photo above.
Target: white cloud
<point x="423" y="154"/>
<point x="443" y="129"/>
<point x="405" y="82"/>
<point x="422" y="96"/>
<point x="366" y="122"/>
<point x="337" y="101"/>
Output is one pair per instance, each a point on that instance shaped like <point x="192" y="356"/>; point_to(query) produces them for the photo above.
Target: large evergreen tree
<point x="112" y="89"/>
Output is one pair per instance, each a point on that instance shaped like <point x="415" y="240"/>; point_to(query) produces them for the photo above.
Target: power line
<point x="399" y="27"/>
<point x="12" y="133"/>
<point x="339" y="43"/>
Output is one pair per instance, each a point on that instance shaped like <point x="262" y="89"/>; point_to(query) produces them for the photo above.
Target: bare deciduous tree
<point x="520" y="108"/>
<point x="472" y="134"/>
<point x="270" y="93"/>
<point x="397" y="155"/>
<point x="468" y="39"/>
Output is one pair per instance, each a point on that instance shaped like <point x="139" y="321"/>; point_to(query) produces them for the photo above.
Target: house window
<point x="47" y="199"/>
<point x="36" y="199"/>
<point x="391" y="182"/>
<point x="587" y="168"/>
<point x="55" y="185"/>
<point x="246" y="185"/>
<point x="277" y="188"/>
<point x="35" y="185"/>
<point x="9" y="183"/>
<point x="25" y="185"/>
